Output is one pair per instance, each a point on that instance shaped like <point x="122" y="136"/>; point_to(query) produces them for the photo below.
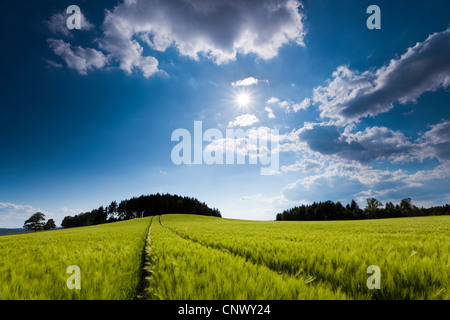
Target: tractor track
<point x="147" y="267"/>
<point x="247" y="258"/>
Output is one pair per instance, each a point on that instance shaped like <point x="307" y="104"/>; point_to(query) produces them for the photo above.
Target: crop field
<point x="179" y="256"/>
<point x="185" y="269"/>
<point x="412" y="253"/>
<point x="34" y="265"/>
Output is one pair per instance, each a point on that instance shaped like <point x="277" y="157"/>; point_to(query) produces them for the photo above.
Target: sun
<point x="243" y="99"/>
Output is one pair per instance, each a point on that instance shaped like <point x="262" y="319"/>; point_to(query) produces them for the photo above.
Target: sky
<point x="101" y="112"/>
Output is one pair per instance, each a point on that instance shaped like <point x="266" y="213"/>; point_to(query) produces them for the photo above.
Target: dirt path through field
<point x="147" y="267"/>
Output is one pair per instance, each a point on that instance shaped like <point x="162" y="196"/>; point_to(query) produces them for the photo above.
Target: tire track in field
<point x="146" y="271"/>
<point x="247" y="258"/>
<point x="186" y="237"/>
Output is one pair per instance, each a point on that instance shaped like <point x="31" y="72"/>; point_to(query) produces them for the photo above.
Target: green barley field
<point x="199" y="257"/>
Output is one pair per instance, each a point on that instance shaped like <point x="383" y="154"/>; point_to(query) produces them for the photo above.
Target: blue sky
<point x="87" y="115"/>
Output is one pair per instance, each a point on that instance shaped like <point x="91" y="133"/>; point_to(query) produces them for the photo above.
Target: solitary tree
<point x="35" y="222"/>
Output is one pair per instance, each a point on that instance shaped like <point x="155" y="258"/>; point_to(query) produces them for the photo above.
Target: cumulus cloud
<point x="439" y="133"/>
<point x="291" y="142"/>
<point x="378" y="143"/>
<point x="248" y="82"/>
<point x="363" y="146"/>
<point x="337" y="154"/>
<point x="283" y="104"/>
<point x="53" y="64"/>
<point x="344" y="181"/>
<point x="435" y="142"/>
<point x="302" y="105"/>
<point x="269" y="112"/>
<point x="78" y="58"/>
<point x="217" y="30"/>
<point x="273" y="100"/>
<point x="244" y="144"/>
<point x="334" y="142"/>
<point x="344" y="143"/>
<point x="352" y="95"/>
<point x="244" y="120"/>
<point x="289" y="106"/>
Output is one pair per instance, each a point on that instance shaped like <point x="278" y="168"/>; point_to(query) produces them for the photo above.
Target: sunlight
<point x="243" y="99"/>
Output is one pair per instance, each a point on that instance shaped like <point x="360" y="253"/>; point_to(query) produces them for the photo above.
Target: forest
<point x="374" y="209"/>
<point x="138" y="207"/>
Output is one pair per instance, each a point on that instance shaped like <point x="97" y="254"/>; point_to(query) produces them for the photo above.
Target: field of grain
<point x="34" y="265"/>
<point x="412" y="253"/>
<point x="176" y="256"/>
<point x="185" y="269"/>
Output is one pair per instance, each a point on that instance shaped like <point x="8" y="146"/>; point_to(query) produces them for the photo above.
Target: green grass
<point x="412" y="253"/>
<point x="200" y="257"/>
<point x="184" y="269"/>
<point x="34" y="265"/>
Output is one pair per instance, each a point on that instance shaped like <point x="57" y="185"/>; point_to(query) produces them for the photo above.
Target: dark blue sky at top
<point x="71" y="142"/>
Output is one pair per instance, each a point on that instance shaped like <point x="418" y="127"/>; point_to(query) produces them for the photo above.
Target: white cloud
<point x="283" y="104"/>
<point x="435" y="142"/>
<point x="302" y="105"/>
<point x="304" y="165"/>
<point x="378" y="143"/>
<point x="343" y="181"/>
<point x="352" y="95"/>
<point x="53" y="64"/>
<point x="291" y="142"/>
<point x="242" y="144"/>
<point x="78" y="58"/>
<point x="244" y="120"/>
<point x="118" y="41"/>
<point x="346" y="85"/>
<point x="337" y="156"/>
<point x="288" y="106"/>
<point x="373" y="143"/>
<point x="14" y="215"/>
<point x="439" y="133"/>
<point x="269" y="112"/>
<point x="247" y="82"/>
<point x="273" y="100"/>
<point x="217" y="30"/>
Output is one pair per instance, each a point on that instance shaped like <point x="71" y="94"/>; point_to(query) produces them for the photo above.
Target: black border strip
<point x="279" y="309"/>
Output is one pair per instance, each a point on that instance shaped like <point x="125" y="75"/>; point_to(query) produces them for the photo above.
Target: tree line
<point x="374" y="209"/>
<point x="138" y="207"/>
